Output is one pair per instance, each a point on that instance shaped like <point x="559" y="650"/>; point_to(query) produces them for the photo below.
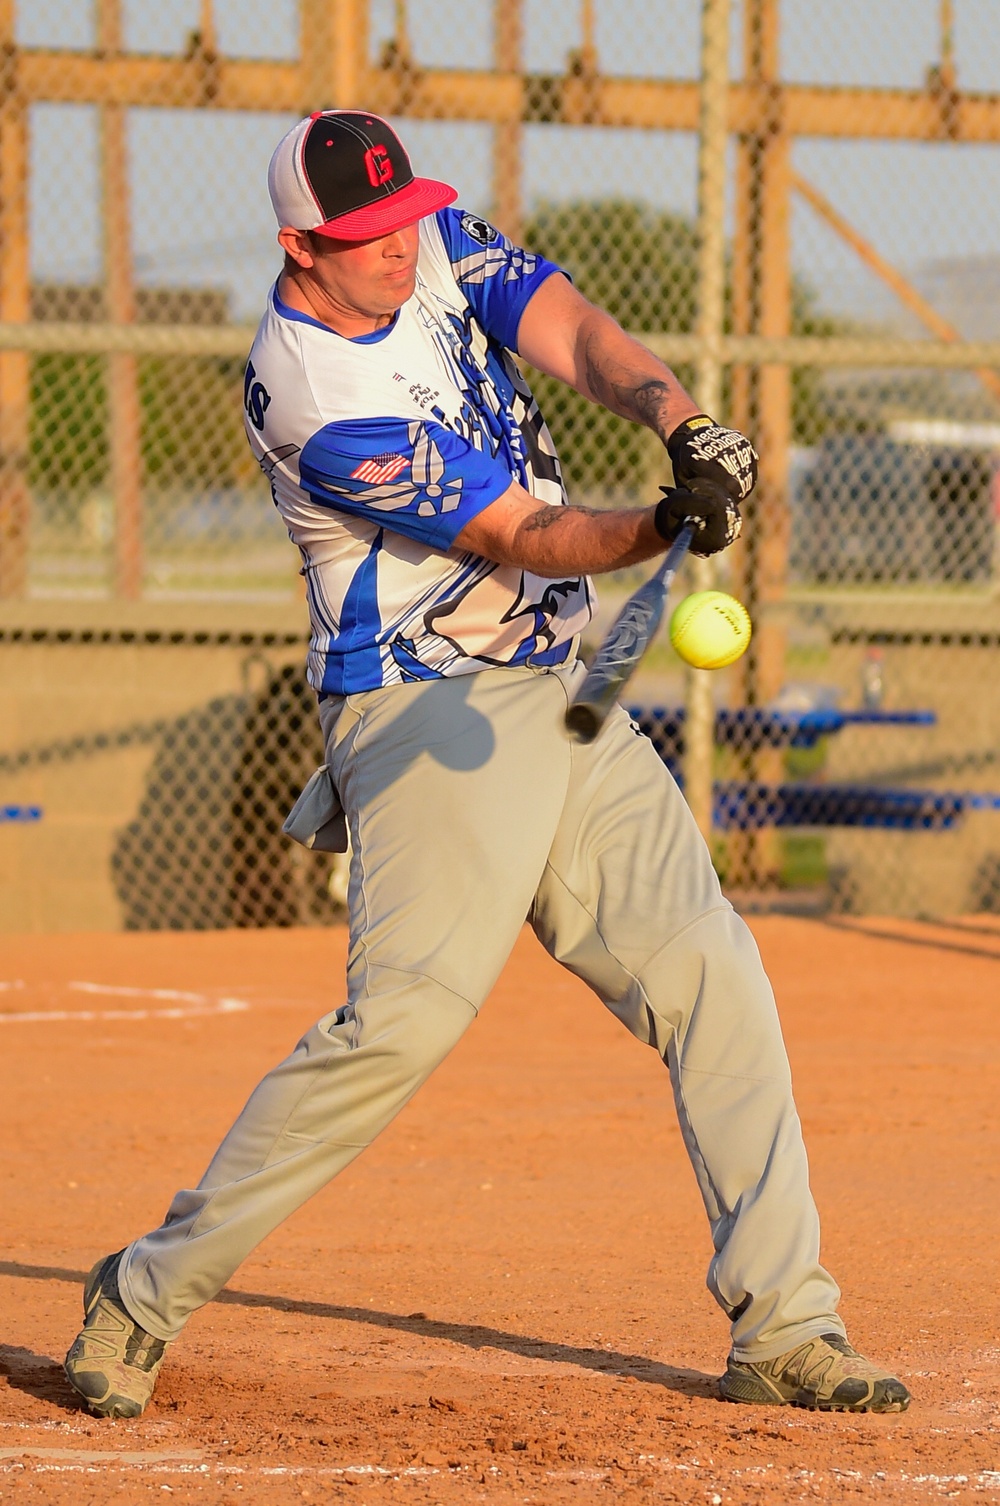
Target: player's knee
<point x="413" y="1041"/>
<point x="708" y="987"/>
<point x="432" y="1041"/>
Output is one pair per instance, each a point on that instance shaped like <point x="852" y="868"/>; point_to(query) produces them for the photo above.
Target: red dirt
<point x="503" y="1300"/>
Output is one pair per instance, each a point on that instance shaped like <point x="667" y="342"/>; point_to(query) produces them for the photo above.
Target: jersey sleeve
<point x="418" y="479"/>
<point x="497" y="277"/>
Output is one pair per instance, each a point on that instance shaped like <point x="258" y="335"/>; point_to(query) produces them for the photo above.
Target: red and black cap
<point x="346" y="174"/>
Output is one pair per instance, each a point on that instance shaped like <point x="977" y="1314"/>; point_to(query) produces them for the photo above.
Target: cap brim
<point x="419" y="198"/>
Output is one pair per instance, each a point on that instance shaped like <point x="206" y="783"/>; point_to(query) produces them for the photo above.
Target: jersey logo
<point x="256" y="398"/>
<point x="480" y="230"/>
<point x="379" y="165"/>
<point x="380" y="470"/>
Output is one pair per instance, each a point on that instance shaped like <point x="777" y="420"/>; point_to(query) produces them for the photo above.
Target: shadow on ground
<point x="28" y="1372"/>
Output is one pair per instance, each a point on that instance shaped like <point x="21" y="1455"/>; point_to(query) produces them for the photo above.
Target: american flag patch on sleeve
<point x="380" y="469"/>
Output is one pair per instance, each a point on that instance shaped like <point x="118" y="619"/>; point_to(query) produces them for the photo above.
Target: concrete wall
<point x="81" y="723"/>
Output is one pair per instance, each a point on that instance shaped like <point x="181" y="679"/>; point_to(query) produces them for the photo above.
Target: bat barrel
<point x="615" y="661"/>
<point x="622" y="649"/>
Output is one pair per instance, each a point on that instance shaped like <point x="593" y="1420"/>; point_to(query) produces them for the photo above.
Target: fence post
<point x="762" y="403"/>
<point x="712" y="139"/>
<point x="334" y="52"/>
<point x="15" y="307"/>
<point x="124" y="419"/>
<point x="508" y="137"/>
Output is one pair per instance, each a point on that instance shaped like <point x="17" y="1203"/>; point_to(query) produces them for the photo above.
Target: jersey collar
<point x="285" y="311"/>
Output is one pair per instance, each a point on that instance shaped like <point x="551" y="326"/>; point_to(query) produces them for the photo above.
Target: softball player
<point x="447" y="581"/>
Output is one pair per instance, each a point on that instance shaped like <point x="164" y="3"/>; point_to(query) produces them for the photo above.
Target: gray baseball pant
<point x="469" y="810"/>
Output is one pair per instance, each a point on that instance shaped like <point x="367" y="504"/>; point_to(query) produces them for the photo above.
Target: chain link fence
<point x="850" y="761"/>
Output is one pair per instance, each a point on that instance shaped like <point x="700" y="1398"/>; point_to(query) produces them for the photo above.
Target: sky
<point x="200" y="210"/>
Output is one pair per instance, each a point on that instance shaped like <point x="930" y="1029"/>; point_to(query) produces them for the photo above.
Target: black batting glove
<point x="703" y="453"/>
<point x="715" y="516"/>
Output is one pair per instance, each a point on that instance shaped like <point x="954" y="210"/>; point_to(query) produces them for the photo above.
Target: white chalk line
<point x="989" y="1478"/>
<point x="191" y="1462"/>
<point x="187" y="1006"/>
<point x="104" y="1456"/>
<point x="186" y="1462"/>
<point x="127" y="991"/>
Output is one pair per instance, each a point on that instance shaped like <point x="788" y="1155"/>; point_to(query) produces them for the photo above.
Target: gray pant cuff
<point x="789" y="1339"/>
<point x="137" y="1310"/>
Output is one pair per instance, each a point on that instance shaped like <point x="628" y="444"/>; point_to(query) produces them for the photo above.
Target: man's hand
<point x="716" y="515"/>
<point x="705" y="455"/>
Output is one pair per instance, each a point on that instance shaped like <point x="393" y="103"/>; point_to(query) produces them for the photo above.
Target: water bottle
<point x="872" y="680"/>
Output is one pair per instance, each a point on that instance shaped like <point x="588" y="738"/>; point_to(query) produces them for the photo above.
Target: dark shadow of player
<point x="41" y="1377"/>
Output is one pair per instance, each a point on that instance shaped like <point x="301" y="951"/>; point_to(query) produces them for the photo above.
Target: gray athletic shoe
<point x="824" y="1374"/>
<point x="114" y="1363"/>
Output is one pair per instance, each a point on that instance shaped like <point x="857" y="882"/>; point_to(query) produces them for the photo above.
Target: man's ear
<point x="295" y="243"/>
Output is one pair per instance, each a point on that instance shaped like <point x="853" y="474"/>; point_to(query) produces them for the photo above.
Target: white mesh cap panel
<point x="292" y="198"/>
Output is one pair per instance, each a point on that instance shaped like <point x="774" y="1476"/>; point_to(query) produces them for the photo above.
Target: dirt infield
<point x="503" y="1300"/>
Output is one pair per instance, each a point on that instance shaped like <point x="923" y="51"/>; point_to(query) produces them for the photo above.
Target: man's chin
<point x="398" y="293"/>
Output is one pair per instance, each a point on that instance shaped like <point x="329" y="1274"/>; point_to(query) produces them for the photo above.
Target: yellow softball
<point x="710" y="629"/>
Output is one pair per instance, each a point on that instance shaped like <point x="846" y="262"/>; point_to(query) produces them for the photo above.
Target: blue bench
<point x="740" y="805"/>
<point x="751" y="728"/>
<point x="20" y="813"/>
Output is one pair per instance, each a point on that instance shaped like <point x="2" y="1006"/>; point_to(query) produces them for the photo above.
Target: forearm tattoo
<point x="643" y="399"/>
<point x="546" y="517"/>
<point x="647" y="401"/>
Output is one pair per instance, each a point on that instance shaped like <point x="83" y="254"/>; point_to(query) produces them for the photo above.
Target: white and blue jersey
<point x="380" y="449"/>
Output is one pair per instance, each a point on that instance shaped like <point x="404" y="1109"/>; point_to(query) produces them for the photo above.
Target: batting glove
<point x="703" y="452"/>
<point x="715" y="515"/>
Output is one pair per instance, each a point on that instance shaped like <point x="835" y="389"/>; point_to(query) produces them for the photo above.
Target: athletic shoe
<point x="114" y="1363"/>
<point x="824" y="1374"/>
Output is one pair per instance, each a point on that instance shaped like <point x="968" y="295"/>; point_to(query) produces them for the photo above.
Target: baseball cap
<point x="345" y="173"/>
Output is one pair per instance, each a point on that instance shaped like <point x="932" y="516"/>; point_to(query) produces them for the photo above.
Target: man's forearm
<point x="578" y="541"/>
<point x="555" y="541"/>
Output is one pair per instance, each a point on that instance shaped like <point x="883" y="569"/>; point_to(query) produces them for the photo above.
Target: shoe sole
<point x="753" y="1391"/>
<point x="112" y="1405"/>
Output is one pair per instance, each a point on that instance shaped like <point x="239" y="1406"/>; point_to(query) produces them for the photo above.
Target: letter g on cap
<point x="379" y="166"/>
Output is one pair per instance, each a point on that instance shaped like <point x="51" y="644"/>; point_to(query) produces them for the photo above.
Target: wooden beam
<point x="175" y="82"/>
<point x="894" y="279"/>
<point x="71" y="338"/>
<point x="845" y="350"/>
<point x="887" y="114"/>
<point x="236" y="339"/>
<point x="339" y="72"/>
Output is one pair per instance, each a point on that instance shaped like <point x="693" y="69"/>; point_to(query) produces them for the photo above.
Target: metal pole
<point x="947" y="65"/>
<point x="768" y="517"/>
<point x="712" y="141"/>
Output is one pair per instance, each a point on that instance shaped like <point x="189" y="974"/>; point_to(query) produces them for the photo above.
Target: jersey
<point x="379" y="450"/>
